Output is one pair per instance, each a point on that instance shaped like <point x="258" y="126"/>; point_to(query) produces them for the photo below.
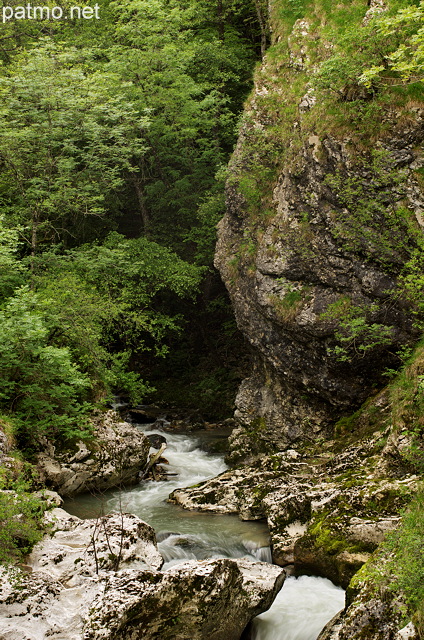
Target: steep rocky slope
<point x="323" y="213"/>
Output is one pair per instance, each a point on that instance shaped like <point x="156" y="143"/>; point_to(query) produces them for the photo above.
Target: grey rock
<point x="209" y="600"/>
<point x="377" y="614"/>
<point x="115" y="458"/>
<point x="51" y="498"/>
<point x="78" y="548"/>
<point x="156" y="439"/>
<point x="36" y="606"/>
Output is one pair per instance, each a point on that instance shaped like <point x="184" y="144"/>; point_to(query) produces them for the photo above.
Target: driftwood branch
<point x="153" y="459"/>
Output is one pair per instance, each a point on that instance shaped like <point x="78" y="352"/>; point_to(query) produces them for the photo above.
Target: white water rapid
<point x="301" y="609"/>
<point x="303" y="606"/>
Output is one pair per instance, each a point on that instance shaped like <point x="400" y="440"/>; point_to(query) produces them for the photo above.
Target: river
<point x="303" y="606"/>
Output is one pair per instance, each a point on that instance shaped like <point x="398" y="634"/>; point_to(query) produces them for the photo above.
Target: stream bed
<point x="303" y="606"/>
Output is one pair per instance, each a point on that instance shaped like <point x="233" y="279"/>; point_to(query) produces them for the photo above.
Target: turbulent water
<point x="301" y="609"/>
<point x="303" y="606"/>
<point x="194" y="534"/>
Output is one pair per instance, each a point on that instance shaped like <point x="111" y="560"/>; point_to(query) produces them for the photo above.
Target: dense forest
<point x="114" y="138"/>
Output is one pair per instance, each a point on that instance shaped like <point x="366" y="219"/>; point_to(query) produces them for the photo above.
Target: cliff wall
<point x="323" y="227"/>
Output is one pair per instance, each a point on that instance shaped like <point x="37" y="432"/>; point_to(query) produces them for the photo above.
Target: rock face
<point x="311" y="254"/>
<point x="99" y="579"/>
<point x="119" y="453"/>
<point x="324" y="220"/>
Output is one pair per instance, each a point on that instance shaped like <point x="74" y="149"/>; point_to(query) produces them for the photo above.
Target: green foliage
<point x="76" y="338"/>
<point x="346" y="424"/>
<point x="369" y="220"/>
<point x="288" y="305"/>
<point x="39" y="383"/>
<point x="355" y="331"/>
<point x="406" y="559"/>
<point x="191" y="68"/>
<point x="387" y="50"/>
<point x="412" y="283"/>
<point x="407" y="407"/>
<point x="120" y="123"/>
<point x="209" y="213"/>
<point x="21" y="512"/>
<point x="292" y="10"/>
<point x="20" y="524"/>
<point x="11" y="270"/>
<point x="134" y="271"/>
<point x="400" y="407"/>
<point x="134" y="276"/>
<point x="67" y="135"/>
<point x="357" y="336"/>
<point x="108" y="303"/>
<point x="120" y="378"/>
<point x="406" y="28"/>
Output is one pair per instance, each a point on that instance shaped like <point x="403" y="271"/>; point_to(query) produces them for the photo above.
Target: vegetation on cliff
<point x="321" y="248"/>
<point x="322" y="252"/>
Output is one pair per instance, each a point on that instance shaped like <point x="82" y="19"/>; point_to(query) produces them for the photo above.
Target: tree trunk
<point x="34" y="240"/>
<point x="221" y="24"/>
<point x="144" y="214"/>
<point x="263" y="24"/>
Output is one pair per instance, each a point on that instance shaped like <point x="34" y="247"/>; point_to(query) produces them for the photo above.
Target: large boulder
<point x="115" y="457"/>
<point x="77" y="549"/>
<point x="208" y="600"/>
<point x="99" y="579"/>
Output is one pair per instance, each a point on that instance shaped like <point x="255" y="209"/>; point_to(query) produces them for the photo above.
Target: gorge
<point x="108" y="204"/>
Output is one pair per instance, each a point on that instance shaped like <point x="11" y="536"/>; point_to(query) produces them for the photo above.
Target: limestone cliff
<point x="323" y="221"/>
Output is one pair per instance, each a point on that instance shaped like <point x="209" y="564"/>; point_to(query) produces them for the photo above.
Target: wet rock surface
<point x="115" y="458"/>
<point x="97" y="579"/>
<point x="209" y="600"/>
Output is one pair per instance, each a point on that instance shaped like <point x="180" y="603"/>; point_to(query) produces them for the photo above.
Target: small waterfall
<point x="178" y="547"/>
<point x="263" y="554"/>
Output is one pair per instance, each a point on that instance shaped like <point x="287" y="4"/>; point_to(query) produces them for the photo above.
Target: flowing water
<point x="301" y="609"/>
<point x="303" y="606"/>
